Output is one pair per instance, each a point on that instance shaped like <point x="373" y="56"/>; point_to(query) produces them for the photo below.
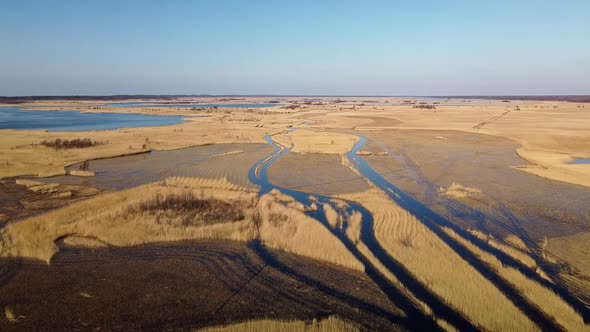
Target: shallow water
<point x="186" y="162"/>
<point x="258" y="174"/>
<point x="189" y="105"/>
<point x="16" y="118"/>
<point x="580" y="162"/>
<point x="205" y="161"/>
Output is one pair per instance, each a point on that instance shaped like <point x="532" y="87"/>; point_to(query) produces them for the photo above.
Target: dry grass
<point x="511" y="251"/>
<point x="76" y="172"/>
<point x="112" y="219"/>
<point x="458" y="191"/>
<point x="364" y="250"/>
<point x="307" y="141"/>
<point x="9" y="314"/>
<point x="353" y="229"/>
<point x="229" y="153"/>
<point x="202" y="183"/>
<point x="37" y="186"/>
<point x="55" y="190"/>
<point x="516" y="242"/>
<point x="553" y="165"/>
<point x="82" y="241"/>
<point x="188" y="209"/>
<point x="177" y="209"/>
<point x="332" y="216"/>
<point x="544" y="298"/>
<point x="438" y="267"/>
<point x="338" y="219"/>
<point x="291" y="230"/>
<point x="287" y="200"/>
<point x="329" y="324"/>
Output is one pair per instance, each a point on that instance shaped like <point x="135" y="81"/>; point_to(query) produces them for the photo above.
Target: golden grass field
<point x="438" y="267"/>
<point x="329" y="324"/>
<point x="544" y="298"/>
<point x="112" y="219"/>
<point x="550" y="133"/>
<point x="549" y="136"/>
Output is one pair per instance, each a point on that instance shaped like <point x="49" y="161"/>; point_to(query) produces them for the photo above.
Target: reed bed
<point x="326" y="325"/>
<point x="439" y="268"/>
<point x="291" y="230"/>
<point x="127" y="218"/>
<point x="544" y="298"/>
<point x="511" y="251"/>
<point x="176" y="209"/>
<point x="458" y="191"/>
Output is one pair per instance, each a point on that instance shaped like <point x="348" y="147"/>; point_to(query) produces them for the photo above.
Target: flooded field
<point x="230" y="161"/>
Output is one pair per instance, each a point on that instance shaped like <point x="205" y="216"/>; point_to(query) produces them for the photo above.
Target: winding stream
<point x="258" y="175"/>
<point x="434" y="222"/>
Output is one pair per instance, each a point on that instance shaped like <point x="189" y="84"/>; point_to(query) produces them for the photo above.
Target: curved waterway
<point x="434" y="222"/>
<point x="258" y="175"/>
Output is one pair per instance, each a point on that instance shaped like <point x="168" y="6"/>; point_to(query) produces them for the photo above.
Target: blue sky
<point x="294" y="47"/>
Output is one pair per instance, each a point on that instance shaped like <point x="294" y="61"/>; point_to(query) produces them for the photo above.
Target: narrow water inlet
<point x="580" y="162"/>
<point x="258" y="175"/>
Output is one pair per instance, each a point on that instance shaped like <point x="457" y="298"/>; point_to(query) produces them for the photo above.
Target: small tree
<point x="85" y="166"/>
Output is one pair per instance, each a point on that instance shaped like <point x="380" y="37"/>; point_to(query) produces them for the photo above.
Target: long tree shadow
<point x="433" y="222"/>
<point x="461" y="210"/>
<point x="259" y="175"/>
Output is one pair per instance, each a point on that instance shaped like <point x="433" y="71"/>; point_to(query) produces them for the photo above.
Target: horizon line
<point x="293" y="95"/>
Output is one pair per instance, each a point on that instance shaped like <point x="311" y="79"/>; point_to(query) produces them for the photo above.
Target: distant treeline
<point x="21" y="99"/>
<point x="428" y="107"/>
<point x="570" y="98"/>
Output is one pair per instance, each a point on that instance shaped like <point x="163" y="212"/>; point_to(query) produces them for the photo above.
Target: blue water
<point x="580" y="162"/>
<point x="15" y="118"/>
<point x="193" y="105"/>
<point x="258" y="175"/>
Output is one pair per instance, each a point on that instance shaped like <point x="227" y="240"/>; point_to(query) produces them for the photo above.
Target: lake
<point x="15" y="118"/>
<point x="190" y="105"/>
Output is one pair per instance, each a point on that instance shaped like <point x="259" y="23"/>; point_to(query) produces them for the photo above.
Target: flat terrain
<point x="317" y="173"/>
<point x="385" y="213"/>
<point x="183" y="285"/>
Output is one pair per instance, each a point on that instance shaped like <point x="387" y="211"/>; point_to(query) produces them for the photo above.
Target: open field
<point x="183" y="285"/>
<point x="482" y="222"/>
<point x="550" y="133"/>
<point x="317" y="173"/>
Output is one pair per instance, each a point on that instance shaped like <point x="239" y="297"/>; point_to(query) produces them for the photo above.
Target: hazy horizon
<point x="429" y="48"/>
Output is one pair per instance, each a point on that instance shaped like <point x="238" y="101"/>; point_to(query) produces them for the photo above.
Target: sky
<point x="294" y="47"/>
